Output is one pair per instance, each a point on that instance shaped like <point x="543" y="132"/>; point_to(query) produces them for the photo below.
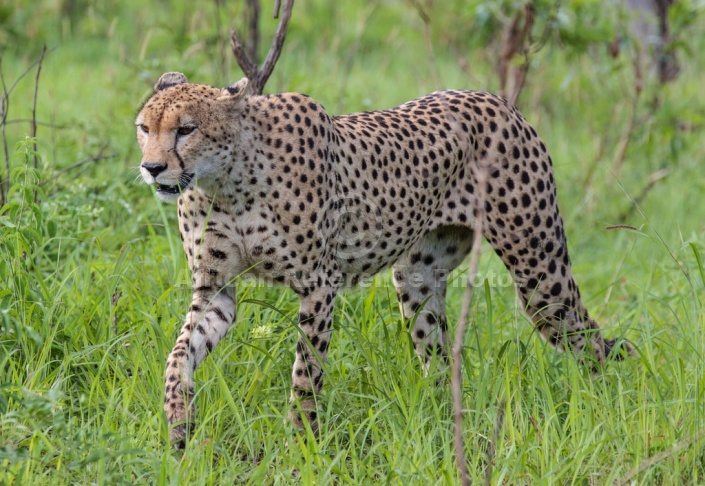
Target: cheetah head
<point x="186" y="133"/>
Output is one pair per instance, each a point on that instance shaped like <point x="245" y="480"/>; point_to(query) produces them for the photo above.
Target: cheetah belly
<point x="375" y="231"/>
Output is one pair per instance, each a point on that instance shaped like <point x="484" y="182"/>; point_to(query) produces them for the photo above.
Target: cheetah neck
<point x="244" y="176"/>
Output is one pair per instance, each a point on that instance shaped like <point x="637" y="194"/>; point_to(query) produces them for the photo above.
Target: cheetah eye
<point x="144" y="128"/>
<point x="185" y="130"/>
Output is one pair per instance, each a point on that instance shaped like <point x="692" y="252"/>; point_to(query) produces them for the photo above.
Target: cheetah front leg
<point x="315" y="321"/>
<point x="209" y="317"/>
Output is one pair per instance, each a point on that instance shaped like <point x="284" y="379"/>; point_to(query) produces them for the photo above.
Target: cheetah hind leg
<point x="541" y="268"/>
<point x="420" y="277"/>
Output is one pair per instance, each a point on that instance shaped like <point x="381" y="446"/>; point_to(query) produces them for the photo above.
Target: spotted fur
<point x="274" y="186"/>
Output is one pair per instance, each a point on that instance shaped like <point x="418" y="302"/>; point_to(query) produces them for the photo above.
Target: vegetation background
<point x="93" y="286"/>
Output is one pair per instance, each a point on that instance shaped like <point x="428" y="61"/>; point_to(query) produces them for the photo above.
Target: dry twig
<point x="650" y="183"/>
<point x="492" y="449"/>
<point x="258" y="77"/>
<point x="33" y="133"/>
<point x="605" y="139"/>
<point x="221" y="45"/>
<point x="353" y="51"/>
<point x="4" y="110"/>
<point x="3" y="117"/>
<point x="517" y="41"/>
<point x="39" y="123"/>
<point x="114" y="300"/>
<point x="660" y="457"/>
<point x="620" y="226"/>
<point x="95" y="158"/>
<point x="626" y="137"/>
<point x="253" y="14"/>
<point x="480" y="171"/>
<point x="426" y="19"/>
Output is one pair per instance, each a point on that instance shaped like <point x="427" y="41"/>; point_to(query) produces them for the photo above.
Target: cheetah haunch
<point x="274" y="186"/>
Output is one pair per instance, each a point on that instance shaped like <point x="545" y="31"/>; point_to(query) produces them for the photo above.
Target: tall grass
<point x="94" y="286"/>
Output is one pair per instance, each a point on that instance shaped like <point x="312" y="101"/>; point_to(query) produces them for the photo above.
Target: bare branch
<point x="626" y="137"/>
<point x="95" y="158"/>
<point x="39" y="123"/>
<point x="354" y="49"/>
<point x="536" y="428"/>
<point x="4" y="107"/>
<point x="221" y="44"/>
<point x="426" y="19"/>
<point x="4" y="110"/>
<point x="492" y="449"/>
<point x="114" y="300"/>
<point x="33" y="128"/>
<point x="241" y="56"/>
<point x="422" y="13"/>
<point x="650" y="183"/>
<point x="516" y="41"/>
<point x="660" y="457"/>
<point x="276" y="47"/>
<point x="21" y="76"/>
<point x="253" y="17"/>
<point x="248" y="62"/>
<point x="480" y="171"/>
<point x="521" y="71"/>
<point x="33" y="132"/>
<point x="620" y="226"/>
<point x="509" y="48"/>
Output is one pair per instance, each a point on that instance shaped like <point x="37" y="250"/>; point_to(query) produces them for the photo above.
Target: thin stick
<point x="95" y="158"/>
<point x="114" y="300"/>
<point x="660" y="457"/>
<point x="521" y="72"/>
<point x="276" y="48"/>
<point x="650" y="183"/>
<point x="492" y="449"/>
<point x="626" y="137"/>
<point x="241" y="56"/>
<point x="39" y="123"/>
<point x="517" y="40"/>
<point x="21" y="76"/>
<point x="353" y="51"/>
<point x="33" y="133"/>
<point x="221" y="45"/>
<point x="426" y="19"/>
<point x="258" y="78"/>
<point x="4" y="108"/>
<point x="509" y="48"/>
<point x="254" y="13"/>
<point x="620" y="226"/>
<point x="33" y="129"/>
<point x="480" y="171"/>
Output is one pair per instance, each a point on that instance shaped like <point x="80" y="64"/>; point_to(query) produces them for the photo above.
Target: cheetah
<point x="272" y="186"/>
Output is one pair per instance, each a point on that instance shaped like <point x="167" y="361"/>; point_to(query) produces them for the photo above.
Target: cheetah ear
<point x="235" y="91"/>
<point x="167" y="80"/>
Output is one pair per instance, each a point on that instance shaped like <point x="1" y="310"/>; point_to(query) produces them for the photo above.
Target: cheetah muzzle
<point x="175" y="190"/>
<point x="275" y="187"/>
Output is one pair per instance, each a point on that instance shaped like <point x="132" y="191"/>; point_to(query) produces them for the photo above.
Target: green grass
<point x="94" y="286"/>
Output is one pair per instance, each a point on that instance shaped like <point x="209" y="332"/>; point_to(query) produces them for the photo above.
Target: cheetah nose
<point x="154" y="168"/>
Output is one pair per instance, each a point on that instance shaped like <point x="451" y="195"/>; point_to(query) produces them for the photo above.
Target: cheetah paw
<point x="619" y="349"/>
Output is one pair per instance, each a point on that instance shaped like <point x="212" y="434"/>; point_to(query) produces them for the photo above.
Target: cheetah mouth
<point x="184" y="182"/>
